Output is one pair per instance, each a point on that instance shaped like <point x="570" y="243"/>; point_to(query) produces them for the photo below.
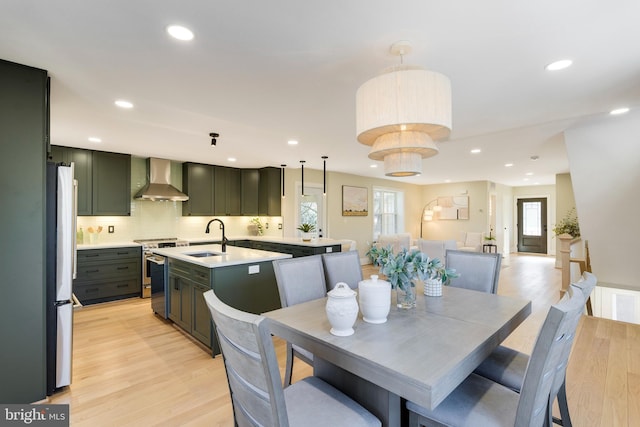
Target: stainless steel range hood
<point x="159" y="185"/>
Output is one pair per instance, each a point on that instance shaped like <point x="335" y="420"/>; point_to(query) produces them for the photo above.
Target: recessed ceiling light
<point x="447" y="181"/>
<point x="373" y="166"/>
<point x="526" y="179"/>
<point x="476" y="151"/>
<point x="179" y="32"/>
<point x="619" y="111"/>
<point x="94" y="139"/>
<point x="529" y="173"/>
<point x="231" y="159"/>
<point x="508" y="165"/>
<point x="292" y="142"/>
<point x="123" y="103"/>
<point x="559" y="65"/>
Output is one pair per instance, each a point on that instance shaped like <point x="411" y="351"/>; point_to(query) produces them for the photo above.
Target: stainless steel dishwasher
<point x="158" y="266"/>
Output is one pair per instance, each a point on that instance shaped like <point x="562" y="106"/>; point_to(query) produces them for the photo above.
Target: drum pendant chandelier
<point x="401" y="113"/>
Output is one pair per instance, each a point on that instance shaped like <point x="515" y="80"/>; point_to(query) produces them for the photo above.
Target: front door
<point x="532" y="225"/>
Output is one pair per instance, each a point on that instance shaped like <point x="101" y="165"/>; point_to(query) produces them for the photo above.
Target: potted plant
<point x="439" y="275"/>
<point x="568" y="225"/>
<point x="404" y="268"/>
<point x="306" y="230"/>
<point x="256" y="227"/>
<point x="490" y="238"/>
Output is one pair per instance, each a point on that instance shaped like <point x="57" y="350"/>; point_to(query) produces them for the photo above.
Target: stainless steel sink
<point x="203" y="254"/>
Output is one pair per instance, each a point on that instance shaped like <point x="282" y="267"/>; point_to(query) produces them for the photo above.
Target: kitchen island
<point x="290" y="245"/>
<point x="241" y="277"/>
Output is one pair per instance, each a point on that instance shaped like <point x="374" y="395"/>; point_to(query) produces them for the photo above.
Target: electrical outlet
<point x="266" y="225"/>
<point x="279" y="226"/>
<point x="111" y="229"/>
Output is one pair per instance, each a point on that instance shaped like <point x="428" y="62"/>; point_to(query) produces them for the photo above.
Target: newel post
<point x="565" y="256"/>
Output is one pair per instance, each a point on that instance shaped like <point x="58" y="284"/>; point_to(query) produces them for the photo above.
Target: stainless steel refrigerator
<point x="61" y="212"/>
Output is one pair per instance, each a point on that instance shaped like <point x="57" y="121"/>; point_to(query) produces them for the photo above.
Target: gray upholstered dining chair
<point x="478" y="271"/>
<point x="479" y="401"/>
<point x="507" y="366"/>
<point x="342" y="267"/>
<point x="299" y="280"/>
<point x="252" y="371"/>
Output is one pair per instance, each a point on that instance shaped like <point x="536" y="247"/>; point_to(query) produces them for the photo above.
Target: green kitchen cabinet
<point x="104" y="180"/>
<point x="111" y="173"/>
<point x="197" y="183"/>
<point x="201" y="318"/>
<point x="269" y="195"/>
<point x="250" y="186"/>
<point x="249" y="287"/>
<point x="180" y="301"/>
<point x="23" y="148"/>
<point x="226" y="191"/>
<point x="187" y="308"/>
<point x="108" y="274"/>
<point x="82" y="160"/>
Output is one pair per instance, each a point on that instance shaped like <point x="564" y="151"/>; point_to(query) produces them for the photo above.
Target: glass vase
<point x="406" y="295"/>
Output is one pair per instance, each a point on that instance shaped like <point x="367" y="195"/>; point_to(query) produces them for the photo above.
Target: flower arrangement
<point x="568" y="224"/>
<point x="258" y="224"/>
<point x="403" y="268"/>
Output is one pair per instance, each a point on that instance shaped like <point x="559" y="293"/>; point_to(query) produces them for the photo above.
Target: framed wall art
<point x="355" y="201"/>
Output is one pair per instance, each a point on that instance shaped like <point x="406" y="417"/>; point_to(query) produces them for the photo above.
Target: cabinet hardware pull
<point x="92" y="271"/>
<point x="123" y="268"/>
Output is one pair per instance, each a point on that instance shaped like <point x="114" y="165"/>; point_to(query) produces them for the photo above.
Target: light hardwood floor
<point x="133" y="369"/>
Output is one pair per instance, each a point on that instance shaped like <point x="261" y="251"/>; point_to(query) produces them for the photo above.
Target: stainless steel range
<point x="148" y="256"/>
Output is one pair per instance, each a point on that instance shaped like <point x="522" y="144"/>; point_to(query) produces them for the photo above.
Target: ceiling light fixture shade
<point x="403" y="110"/>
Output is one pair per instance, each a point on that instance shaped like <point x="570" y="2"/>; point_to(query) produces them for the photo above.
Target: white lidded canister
<point x="342" y="309"/>
<point x="375" y="299"/>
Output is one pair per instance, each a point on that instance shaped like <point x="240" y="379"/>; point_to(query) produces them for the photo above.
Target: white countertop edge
<point x="107" y="245"/>
<point x="319" y="242"/>
<point x="233" y="256"/>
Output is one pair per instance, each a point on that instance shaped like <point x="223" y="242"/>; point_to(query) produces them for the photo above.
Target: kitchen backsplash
<point x="150" y="220"/>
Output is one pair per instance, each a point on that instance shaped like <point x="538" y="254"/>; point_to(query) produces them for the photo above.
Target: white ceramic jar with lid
<point x="375" y="299"/>
<point x="342" y="309"/>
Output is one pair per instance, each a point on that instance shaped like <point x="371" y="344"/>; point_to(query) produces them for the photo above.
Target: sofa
<point x="470" y="241"/>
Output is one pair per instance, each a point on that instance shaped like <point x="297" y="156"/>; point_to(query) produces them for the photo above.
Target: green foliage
<point x="568" y="224"/>
<point x="306" y="227"/>
<point x="405" y="266"/>
<point x="256" y="221"/>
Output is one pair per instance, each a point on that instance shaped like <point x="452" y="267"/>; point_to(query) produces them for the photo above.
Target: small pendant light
<point x="282" y="178"/>
<point x="324" y="175"/>
<point x="302" y="169"/>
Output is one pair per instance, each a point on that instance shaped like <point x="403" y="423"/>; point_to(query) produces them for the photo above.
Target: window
<point x="388" y="215"/>
<point x="532" y="214"/>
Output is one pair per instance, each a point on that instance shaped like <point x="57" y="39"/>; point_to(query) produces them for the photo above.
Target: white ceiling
<point x="262" y="72"/>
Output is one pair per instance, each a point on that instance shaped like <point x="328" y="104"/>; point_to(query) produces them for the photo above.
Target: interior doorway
<point x="532" y="225"/>
<point x="310" y="208"/>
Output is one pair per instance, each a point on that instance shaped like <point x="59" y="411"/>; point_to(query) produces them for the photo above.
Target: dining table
<point x="420" y="354"/>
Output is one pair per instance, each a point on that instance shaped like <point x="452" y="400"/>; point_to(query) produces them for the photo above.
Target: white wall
<point x="604" y="159"/>
<point x="450" y="229"/>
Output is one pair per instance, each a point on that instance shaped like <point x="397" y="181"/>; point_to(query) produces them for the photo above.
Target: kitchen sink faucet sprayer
<point x="224" y="237"/>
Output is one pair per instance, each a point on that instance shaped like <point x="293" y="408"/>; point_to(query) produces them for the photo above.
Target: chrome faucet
<point x="224" y="238"/>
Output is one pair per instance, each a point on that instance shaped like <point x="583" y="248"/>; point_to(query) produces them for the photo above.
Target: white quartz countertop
<point x="284" y="240"/>
<point x="233" y="256"/>
<point x="108" y="245"/>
